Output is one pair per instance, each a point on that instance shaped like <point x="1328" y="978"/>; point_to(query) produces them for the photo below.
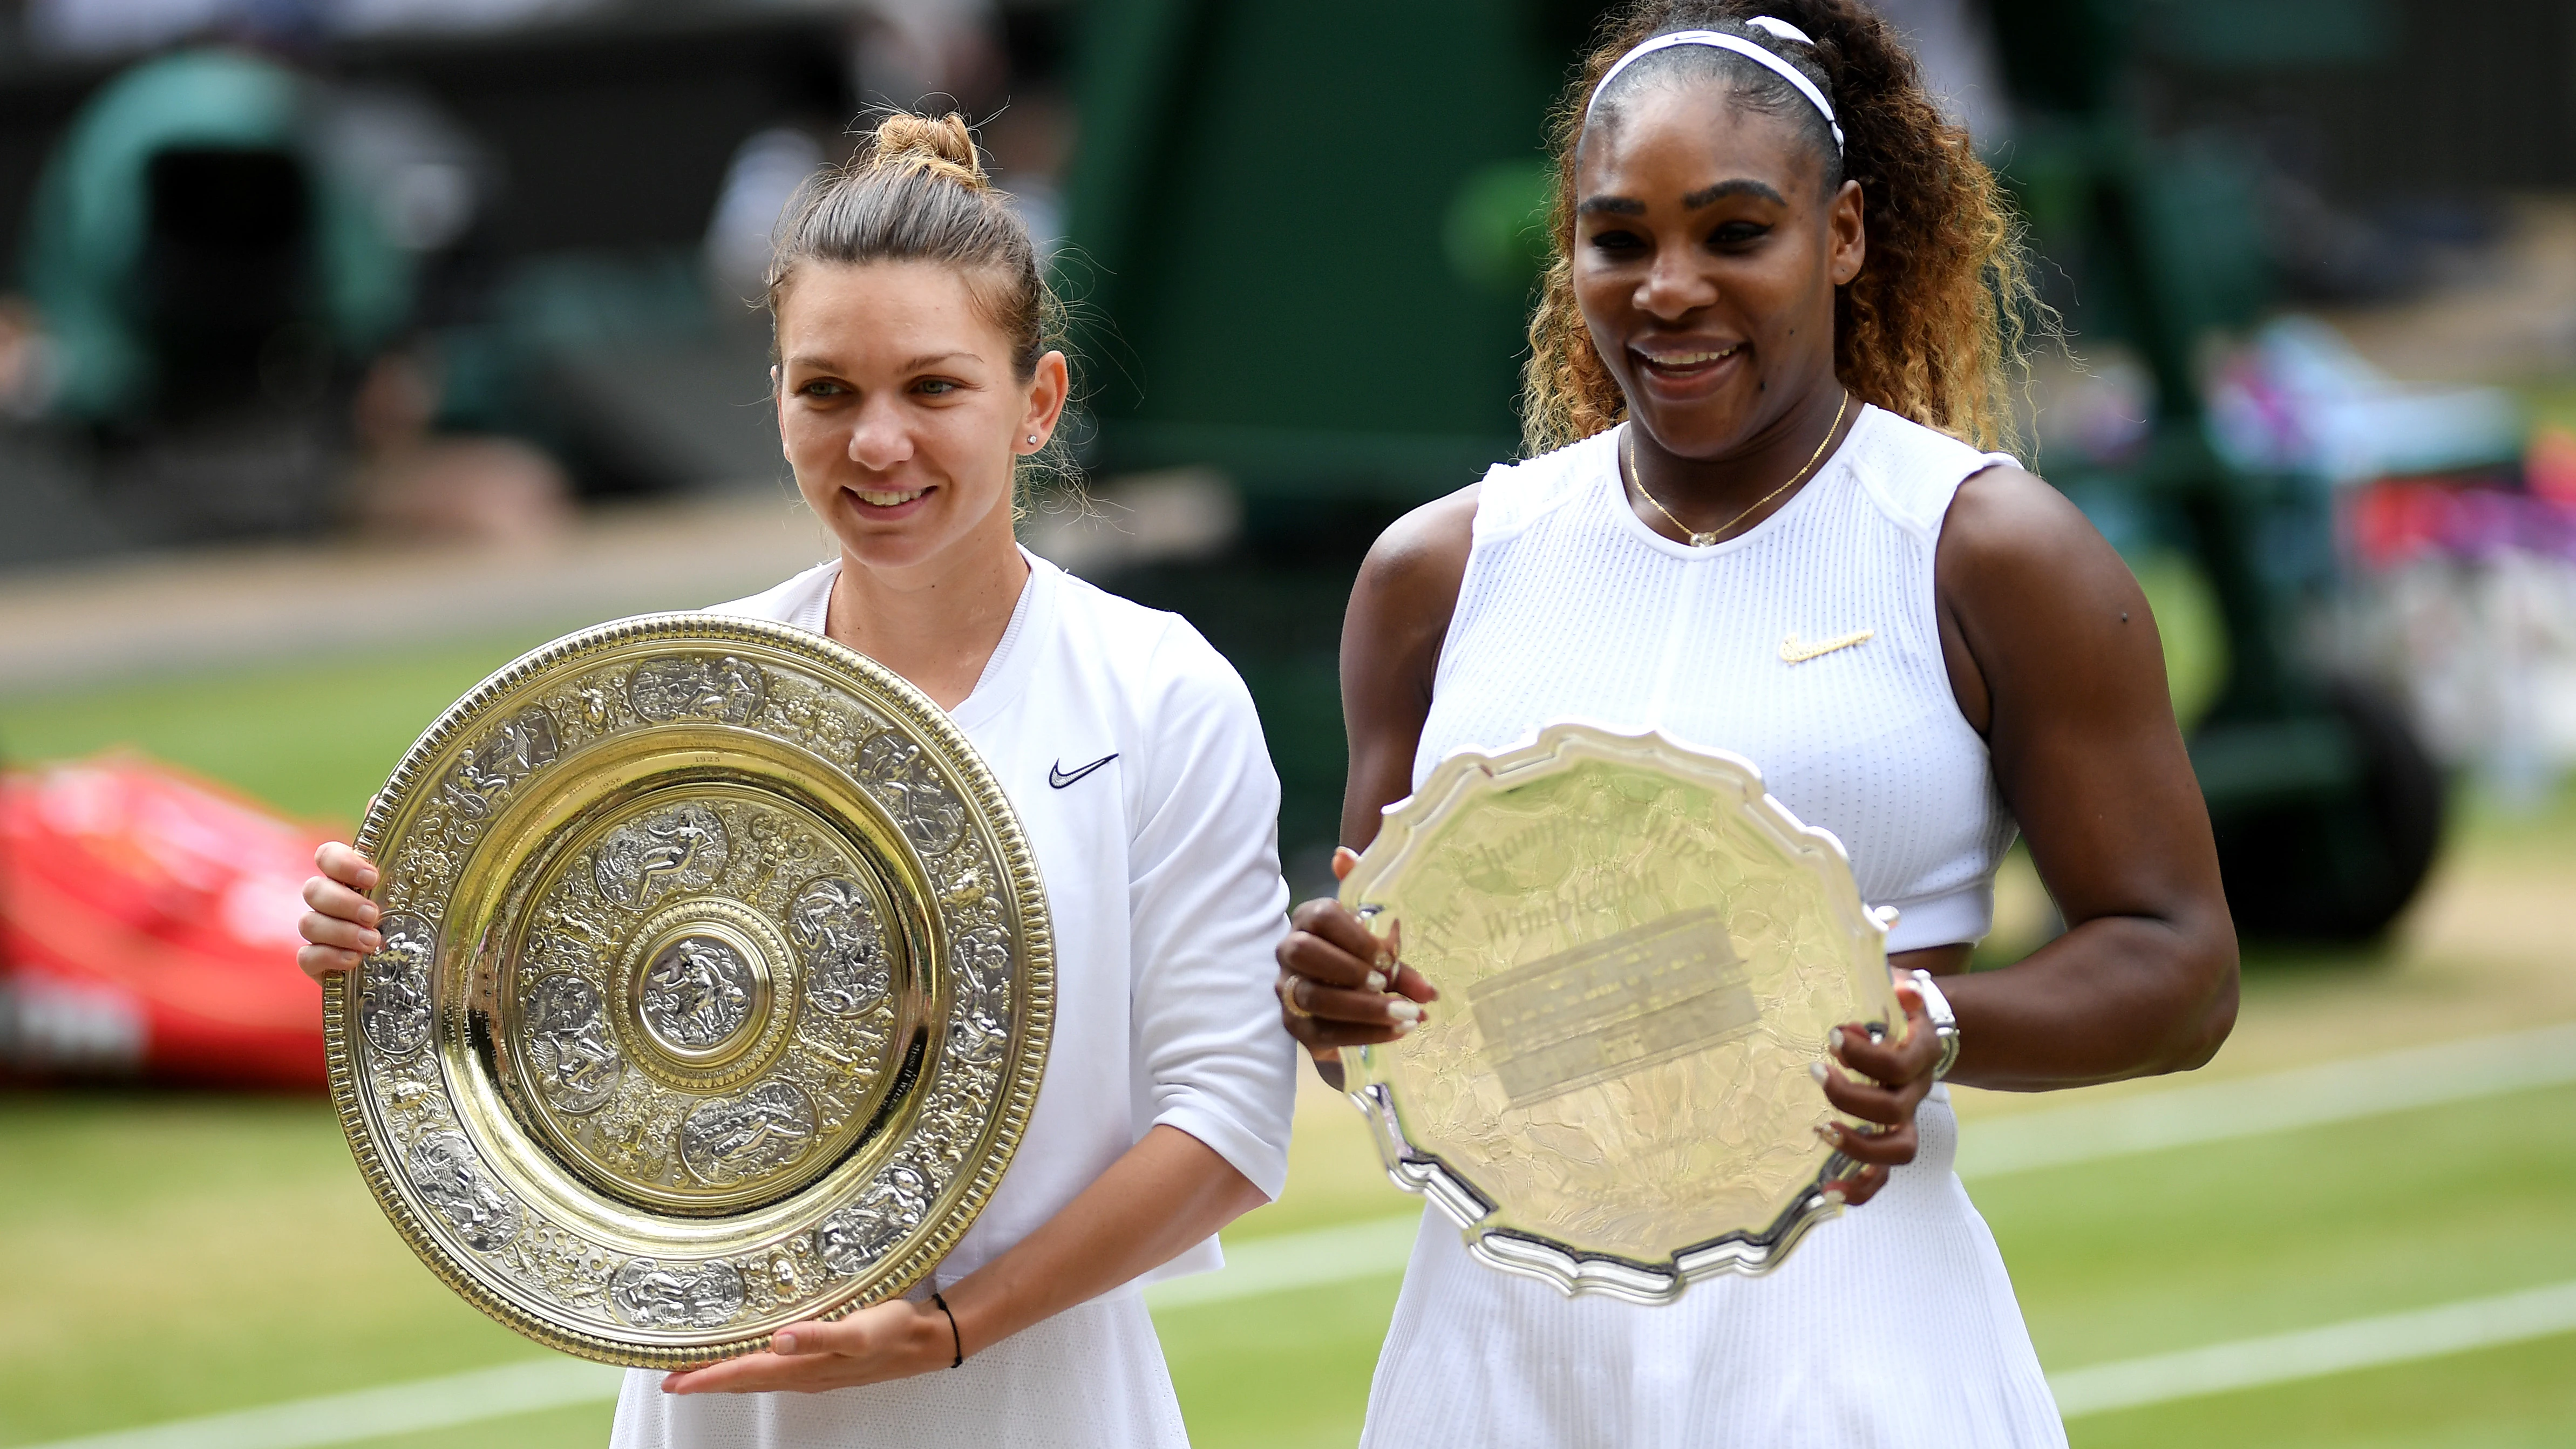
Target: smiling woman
<point x="916" y="381"/>
<point x="1759" y="517"/>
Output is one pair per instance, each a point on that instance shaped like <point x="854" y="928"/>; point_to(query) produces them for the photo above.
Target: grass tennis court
<point x="164" y="1257"/>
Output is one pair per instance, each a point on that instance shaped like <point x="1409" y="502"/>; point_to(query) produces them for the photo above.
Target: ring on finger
<point x="1288" y="996"/>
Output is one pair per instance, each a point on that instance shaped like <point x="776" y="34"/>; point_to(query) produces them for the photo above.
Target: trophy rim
<point x="1749" y="1252"/>
<point x="990" y="811"/>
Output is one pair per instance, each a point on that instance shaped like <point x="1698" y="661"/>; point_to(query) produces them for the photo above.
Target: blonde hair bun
<point x="939" y="146"/>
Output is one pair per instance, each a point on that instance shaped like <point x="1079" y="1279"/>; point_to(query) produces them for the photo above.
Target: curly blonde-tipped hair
<point x="1936" y="325"/>
<point x="916" y="191"/>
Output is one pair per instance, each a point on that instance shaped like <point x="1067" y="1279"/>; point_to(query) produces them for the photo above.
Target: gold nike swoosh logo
<point x="1793" y="652"/>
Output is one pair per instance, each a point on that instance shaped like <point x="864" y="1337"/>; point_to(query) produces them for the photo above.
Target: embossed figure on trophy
<point x="855" y="1237"/>
<point x="978" y="1035"/>
<point x="757" y="1133"/>
<point x="697" y="993"/>
<point x="445" y="1173"/>
<point x="727" y="690"/>
<point x="393" y="986"/>
<point x="895" y="772"/>
<point x="518" y="748"/>
<point x="575" y="1064"/>
<point x="655" y="1295"/>
<point x="983" y="960"/>
<point x="845" y="963"/>
<point x="682" y="849"/>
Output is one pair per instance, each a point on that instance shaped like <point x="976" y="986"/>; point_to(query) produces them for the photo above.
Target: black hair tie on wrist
<point x="953" y="1337"/>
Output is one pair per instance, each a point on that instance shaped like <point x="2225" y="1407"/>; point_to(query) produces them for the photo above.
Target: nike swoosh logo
<point x="1059" y="778"/>
<point x="1793" y="652"/>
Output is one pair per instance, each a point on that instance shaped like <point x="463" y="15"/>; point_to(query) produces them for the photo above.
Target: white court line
<point x="2316" y="1352"/>
<point x="2339" y="1091"/>
<point x="441" y="1403"/>
<point x="2052" y="1137"/>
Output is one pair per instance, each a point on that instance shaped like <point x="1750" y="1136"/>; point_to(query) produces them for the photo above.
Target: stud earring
<point x="1033" y="440"/>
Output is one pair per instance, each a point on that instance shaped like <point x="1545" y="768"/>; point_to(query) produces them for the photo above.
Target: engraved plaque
<point x="715" y="993"/>
<point x="1667" y="989"/>
<point x="1639" y="955"/>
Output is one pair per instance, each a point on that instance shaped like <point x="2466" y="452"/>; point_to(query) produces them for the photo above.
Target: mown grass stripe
<point x="2066" y="1136"/>
<point x="2310" y="1353"/>
<point x="1315" y="1258"/>
<point x="500" y="1393"/>
<point x="2339" y="1091"/>
<point x="2053" y="1137"/>
<point x="451" y="1402"/>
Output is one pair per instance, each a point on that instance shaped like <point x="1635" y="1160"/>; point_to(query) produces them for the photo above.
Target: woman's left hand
<point x="887" y="1341"/>
<point x="1896" y="1075"/>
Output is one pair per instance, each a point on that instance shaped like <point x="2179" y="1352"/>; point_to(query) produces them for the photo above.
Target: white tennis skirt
<point x="1893" y="1326"/>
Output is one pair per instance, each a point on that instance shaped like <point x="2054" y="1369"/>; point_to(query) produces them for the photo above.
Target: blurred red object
<point x="148" y="930"/>
<point x="2394" y="521"/>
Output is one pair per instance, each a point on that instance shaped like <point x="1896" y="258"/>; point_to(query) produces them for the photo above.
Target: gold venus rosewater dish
<point x="715" y="990"/>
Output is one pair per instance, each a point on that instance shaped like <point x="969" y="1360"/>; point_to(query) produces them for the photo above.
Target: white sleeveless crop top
<point x="1572" y="608"/>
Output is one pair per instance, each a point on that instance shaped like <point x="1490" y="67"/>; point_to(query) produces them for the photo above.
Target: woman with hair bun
<point x="1774" y="340"/>
<point x="917" y="378"/>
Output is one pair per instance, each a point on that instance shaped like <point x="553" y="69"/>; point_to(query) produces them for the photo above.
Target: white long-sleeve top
<point x="1130" y="750"/>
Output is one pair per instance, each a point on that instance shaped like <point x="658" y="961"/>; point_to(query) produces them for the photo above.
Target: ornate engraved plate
<point x="1639" y="954"/>
<point x="715" y="992"/>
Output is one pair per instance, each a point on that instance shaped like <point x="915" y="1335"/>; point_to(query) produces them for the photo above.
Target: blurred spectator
<point x="424" y="179"/>
<point x="1954" y="42"/>
<point x="2300" y="399"/>
<point x="414" y="486"/>
<point x="360" y="17"/>
<point x="1031" y="143"/>
<point x="126" y="27"/>
<point x="765" y="172"/>
<point x="26" y="362"/>
<point x="915" y="51"/>
<point x="120" y="27"/>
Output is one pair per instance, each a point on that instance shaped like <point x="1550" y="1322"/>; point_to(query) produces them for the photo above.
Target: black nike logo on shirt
<point x="1059" y="777"/>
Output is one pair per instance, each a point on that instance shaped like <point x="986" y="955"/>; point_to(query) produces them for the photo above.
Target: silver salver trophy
<point x="1639" y="955"/>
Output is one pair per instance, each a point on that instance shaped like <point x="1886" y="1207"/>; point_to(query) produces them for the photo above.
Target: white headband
<point x="1717" y="40"/>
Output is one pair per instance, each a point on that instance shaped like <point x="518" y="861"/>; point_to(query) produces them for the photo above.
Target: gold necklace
<point x="1628" y="465"/>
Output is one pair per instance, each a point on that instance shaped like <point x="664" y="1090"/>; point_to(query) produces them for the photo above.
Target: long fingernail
<point x="1377" y="981"/>
<point x="1405" y="1028"/>
<point x="1831" y="1135"/>
<point x="1817" y="1071"/>
<point x="1402" y="1010"/>
<point x="1835" y="1196"/>
<point x="1834" y="1041"/>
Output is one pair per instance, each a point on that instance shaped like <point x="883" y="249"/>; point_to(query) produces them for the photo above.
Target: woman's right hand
<point x="1340" y="985"/>
<point x="341" y="928"/>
